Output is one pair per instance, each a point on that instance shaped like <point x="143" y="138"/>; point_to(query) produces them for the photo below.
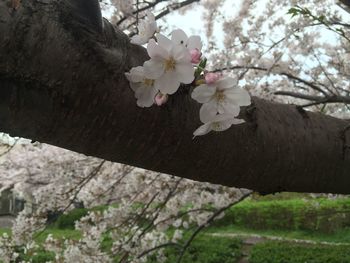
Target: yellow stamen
<point x="220" y="96"/>
<point x="170" y="64"/>
<point x="148" y="82"/>
<point x="216" y="126"/>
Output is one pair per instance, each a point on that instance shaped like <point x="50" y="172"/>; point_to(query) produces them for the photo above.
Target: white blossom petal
<point x="181" y="54"/>
<point x="222" y="122"/>
<point x="153" y="68"/>
<point x="229" y="108"/>
<point x="145" y="96"/>
<point x="194" y="42"/>
<point x="136" y="74"/>
<point x="179" y="37"/>
<point x="164" y="42"/>
<point x="221" y="126"/>
<point x="151" y="23"/>
<point x="156" y="51"/>
<point x="185" y="73"/>
<point x="226" y="83"/>
<point x="203" y="93"/>
<point x="208" y="111"/>
<point x="238" y="96"/>
<point x="135" y="85"/>
<point x="202" y="130"/>
<point x="150" y="17"/>
<point x="225" y="124"/>
<point x="146" y="29"/>
<point x="167" y="83"/>
<point x="137" y="40"/>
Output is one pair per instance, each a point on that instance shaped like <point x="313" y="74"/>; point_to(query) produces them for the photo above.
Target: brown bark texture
<point x="62" y="82"/>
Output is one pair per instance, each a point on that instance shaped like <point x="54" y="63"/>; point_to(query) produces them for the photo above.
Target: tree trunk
<point x="62" y="82"/>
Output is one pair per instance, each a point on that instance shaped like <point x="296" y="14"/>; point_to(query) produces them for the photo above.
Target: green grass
<point x="60" y="234"/>
<point x="316" y="215"/>
<point x="286" y="252"/>
<point x="319" y="220"/>
<point x="341" y="236"/>
<point x="5" y="230"/>
<point x="207" y="249"/>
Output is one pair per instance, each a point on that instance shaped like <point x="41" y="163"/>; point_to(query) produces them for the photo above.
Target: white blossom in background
<point x="143" y="87"/>
<point x="7" y="253"/>
<point x="146" y="30"/>
<point x="25" y="227"/>
<point x="124" y="6"/>
<point x="68" y="177"/>
<point x="170" y="65"/>
<point x="218" y="123"/>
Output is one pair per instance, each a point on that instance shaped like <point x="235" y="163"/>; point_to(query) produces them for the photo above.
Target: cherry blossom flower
<point x="179" y="37"/>
<point x="220" y="97"/>
<point x="170" y="65"/>
<point x="146" y="30"/>
<point x="219" y="122"/>
<point x="143" y="87"/>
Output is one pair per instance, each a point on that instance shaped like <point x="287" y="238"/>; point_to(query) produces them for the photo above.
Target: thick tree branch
<point x="322" y="99"/>
<point x="62" y="82"/>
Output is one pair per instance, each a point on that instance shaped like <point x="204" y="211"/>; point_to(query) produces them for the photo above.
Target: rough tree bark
<point x="62" y="82"/>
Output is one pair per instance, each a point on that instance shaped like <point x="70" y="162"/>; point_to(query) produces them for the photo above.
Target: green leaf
<point x="200" y="67"/>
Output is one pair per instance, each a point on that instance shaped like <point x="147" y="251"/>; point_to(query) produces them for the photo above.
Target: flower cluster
<point x="178" y="61"/>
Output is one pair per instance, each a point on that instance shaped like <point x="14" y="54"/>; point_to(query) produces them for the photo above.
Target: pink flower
<point x="195" y="56"/>
<point x="212" y="77"/>
<point x="161" y="99"/>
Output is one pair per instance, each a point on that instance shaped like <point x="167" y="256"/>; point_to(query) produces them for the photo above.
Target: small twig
<point x="166" y="11"/>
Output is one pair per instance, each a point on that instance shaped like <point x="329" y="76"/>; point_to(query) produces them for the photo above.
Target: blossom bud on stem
<point x="161" y="99"/>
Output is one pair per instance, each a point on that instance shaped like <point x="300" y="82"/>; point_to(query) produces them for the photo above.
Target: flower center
<point x="220" y="96"/>
<point x="170" y="64"/>
<point x="148" y="82"/>
<point x="216" y="126"/>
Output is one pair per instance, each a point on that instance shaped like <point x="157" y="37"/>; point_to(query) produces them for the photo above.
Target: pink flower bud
<point x="161" y="99"/>
<point x="212" y="77"/>
<point x="195" y="56"/>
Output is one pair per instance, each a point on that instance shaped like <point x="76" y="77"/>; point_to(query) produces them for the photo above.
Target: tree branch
<point x="322" y="99"/>
<point x="286" y="74"/>
<point x="62" y="82"/>
<point x="166" y="11"/>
